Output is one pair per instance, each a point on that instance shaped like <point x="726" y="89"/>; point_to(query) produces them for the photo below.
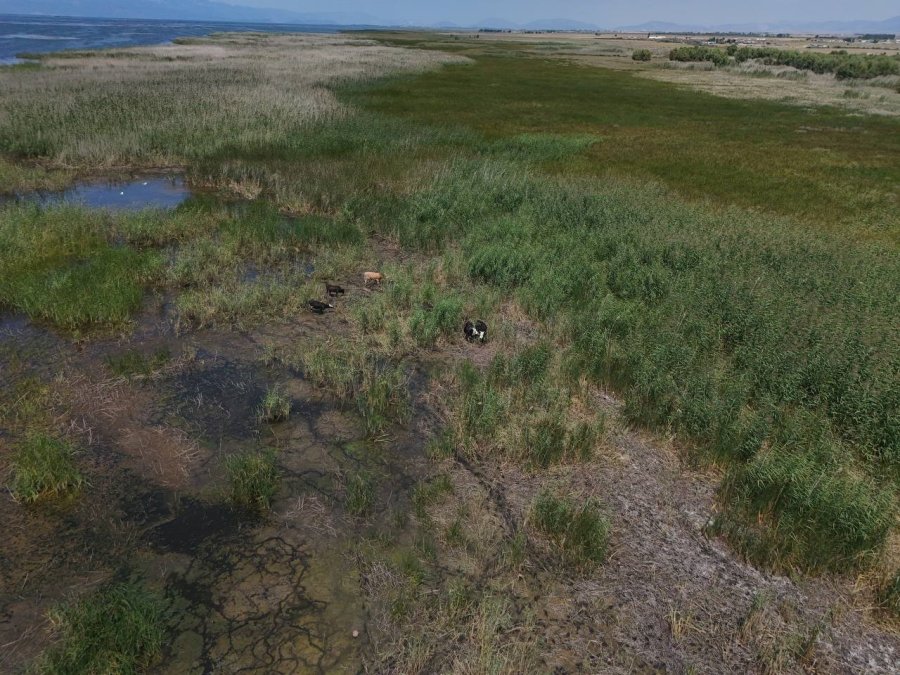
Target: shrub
<point x="120" y="629"/>
<point x="581" y="532"/>
<point x="43" y="467"/>
<point x="712" y="54"/>
<point x="254" y="479"/>
<point x="641" y="55"/>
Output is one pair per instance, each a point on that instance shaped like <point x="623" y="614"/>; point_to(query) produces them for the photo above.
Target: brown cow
<point x="372" y="278"/>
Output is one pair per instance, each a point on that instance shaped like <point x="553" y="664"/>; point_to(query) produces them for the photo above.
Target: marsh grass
<point x="18" y="179"/>
<point x="275" y="406"/>
<point x="44" y="467"/>
<point x="579" y="531"/>
<point x="826" y="518"/>
<point x="721" y="326"/>
<point x="273" y="87"/>
<point x="427" y="494"/>
<point x="134" y="363"/>
<point x="350" y="372"/>
<point x="254" y="479"/>
<point x="661" y="131"/>
<point x="119" y="629"/>
<point x="359" y="494"/>
<point x="889" y="595"/>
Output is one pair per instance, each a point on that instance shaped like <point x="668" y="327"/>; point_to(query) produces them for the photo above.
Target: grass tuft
<point x="119" y="629"/>
<point x="359" y="494"/>
<point x="43" y="467"/>
<point x="254" y="479"/>
<point x="581" y="532"/>
<point x="275" y="407"/>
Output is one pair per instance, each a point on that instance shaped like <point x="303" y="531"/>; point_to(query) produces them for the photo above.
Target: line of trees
<point x="843" y="64"/>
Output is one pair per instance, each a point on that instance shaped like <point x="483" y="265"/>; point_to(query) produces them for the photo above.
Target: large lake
<point x="30" y="34"/>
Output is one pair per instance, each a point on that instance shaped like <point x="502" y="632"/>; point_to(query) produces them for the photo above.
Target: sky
<point x="602" y="12"/>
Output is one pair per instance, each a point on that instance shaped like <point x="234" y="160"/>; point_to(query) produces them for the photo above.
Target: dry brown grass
<point x="775" y="83"/>
<point x="163" y="105"/>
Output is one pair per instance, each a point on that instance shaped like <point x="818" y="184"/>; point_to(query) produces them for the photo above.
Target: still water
<point x="40" y="34"/>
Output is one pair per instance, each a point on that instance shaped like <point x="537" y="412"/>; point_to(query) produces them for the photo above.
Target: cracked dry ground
<point x="286" y="594"/>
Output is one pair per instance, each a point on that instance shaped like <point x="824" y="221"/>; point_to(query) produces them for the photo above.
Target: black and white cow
<point x="475" y="331"/>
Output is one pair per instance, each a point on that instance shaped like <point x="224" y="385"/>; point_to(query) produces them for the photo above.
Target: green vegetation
<point x="275" y="407"/>
<point x="721" y="150"/>
<point x="133" y="362"/>
<point x="349" y="372"/>
<point x="580" y="531"/>
<point x="826" y="518"/>
<point x="889" y="595"/>
<point x="641" y="55"/>
<point x="57" y="264"/>
<point x="43" y="467"/>
<point x="254" y="479"/>
<point x="429" y="493"/>
<point x="844" y="65"/>
<point x="359" y="494"/>
<point x="119" y="629"/>
<point x="722" y="326"/>
<point x="15" y="178"/>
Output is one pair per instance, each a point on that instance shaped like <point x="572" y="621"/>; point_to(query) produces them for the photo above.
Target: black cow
<point x="319" y="307"/>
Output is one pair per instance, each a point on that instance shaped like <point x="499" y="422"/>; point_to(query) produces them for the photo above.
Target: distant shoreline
<point x="39" y="34"/>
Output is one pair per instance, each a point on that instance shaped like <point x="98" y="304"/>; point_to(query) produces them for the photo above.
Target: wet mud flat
<point x="415" y="584"/>
<point x="272" y="593"/>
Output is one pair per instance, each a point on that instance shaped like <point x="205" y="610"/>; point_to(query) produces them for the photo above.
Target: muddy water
<point x="267" y="595"/>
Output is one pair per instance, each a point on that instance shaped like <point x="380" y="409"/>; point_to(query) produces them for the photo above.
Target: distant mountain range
<point x="886" y="26"/>
<point x="208" y="10"/>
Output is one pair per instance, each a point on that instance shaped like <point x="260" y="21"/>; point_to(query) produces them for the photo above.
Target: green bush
<point x="843" y="64"/>
<point x="711" y="54"/>
<point x="254" y="479"/>
<point x="581" y="532"/>
<point x="119" y="629"/>
<point x="43" y="467"/>
<point x="641" y="55"/>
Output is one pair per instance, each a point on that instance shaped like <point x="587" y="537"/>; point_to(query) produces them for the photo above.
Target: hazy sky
<point x="604" y="12"/>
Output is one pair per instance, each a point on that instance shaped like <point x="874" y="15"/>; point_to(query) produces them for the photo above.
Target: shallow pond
<point x="135" y="194"/>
